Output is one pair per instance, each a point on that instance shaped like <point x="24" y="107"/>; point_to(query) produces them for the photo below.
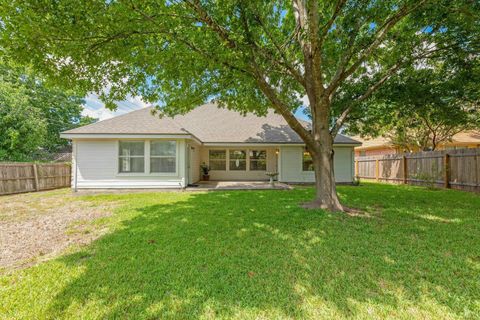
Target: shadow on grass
<point x="248" y="254"/>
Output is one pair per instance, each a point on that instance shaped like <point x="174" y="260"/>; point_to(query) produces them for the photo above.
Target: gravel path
<point x="39" y="226"/>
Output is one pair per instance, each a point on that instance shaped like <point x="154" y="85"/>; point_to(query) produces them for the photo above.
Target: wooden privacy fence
<point x="458" y="169"/>
<point x="27" y="177"/>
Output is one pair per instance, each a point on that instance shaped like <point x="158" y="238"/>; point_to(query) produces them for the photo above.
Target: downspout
<point x="75" y="172"/>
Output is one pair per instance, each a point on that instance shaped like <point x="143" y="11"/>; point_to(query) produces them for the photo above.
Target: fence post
<point x="446" y="163"/>
<point x="477" y="172"/>
<point x="405" y="169"/>
<point x="356" y="168"/>
<point x="376" y="170"/>
<point x="35" y="174"/>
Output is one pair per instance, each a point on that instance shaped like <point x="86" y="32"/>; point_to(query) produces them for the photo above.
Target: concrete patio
<point x="237" y="185"/>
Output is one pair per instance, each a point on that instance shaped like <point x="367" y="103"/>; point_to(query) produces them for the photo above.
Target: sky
<point x="95" y="108"/>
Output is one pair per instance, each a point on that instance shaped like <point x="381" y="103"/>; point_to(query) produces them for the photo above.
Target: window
<point x="131" y="156"/>
<point x="258" y="160"/>
<point x="307" y="161"/>
<point x="217" y="160"/>
<point x="163" y="156"/>
<point x="238" y="160"/>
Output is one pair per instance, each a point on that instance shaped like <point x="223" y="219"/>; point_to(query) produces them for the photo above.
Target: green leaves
<point x="32" y="115"/>
<point x="443" y="99"/>
<point x="247" y="55"/>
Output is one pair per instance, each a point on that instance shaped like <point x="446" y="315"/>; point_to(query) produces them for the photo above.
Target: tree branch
<point x="206" y="18"/>
<point x="377" y="40"/>
<point x="281" y="108"/>
<point x="338" y="8"/>
<point x="294" y="72"/>
<point x="343" y="116"/>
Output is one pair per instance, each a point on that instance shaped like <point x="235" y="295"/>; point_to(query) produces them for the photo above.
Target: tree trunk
<point x="325" y="188"/>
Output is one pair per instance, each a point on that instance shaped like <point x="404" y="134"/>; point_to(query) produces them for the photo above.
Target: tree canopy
<point x="424" y="105"/>
<point x="33" y="115"/>
<point x="247" y="55"/>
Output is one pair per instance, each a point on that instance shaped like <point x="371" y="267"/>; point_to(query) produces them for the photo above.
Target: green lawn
<point x="257" y="254"/>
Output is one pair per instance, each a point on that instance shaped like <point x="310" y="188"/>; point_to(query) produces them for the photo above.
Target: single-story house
<point x="141" y="150"/>
<point x="383" y="146"/>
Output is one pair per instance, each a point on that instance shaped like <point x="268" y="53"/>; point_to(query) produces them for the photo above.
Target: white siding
<point x="194" y="166"/>
<point x="95" y="165"/>
<point x="291" y="165"/>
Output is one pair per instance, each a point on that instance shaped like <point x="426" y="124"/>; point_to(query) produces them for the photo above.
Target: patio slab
<point x="237" y="185"/>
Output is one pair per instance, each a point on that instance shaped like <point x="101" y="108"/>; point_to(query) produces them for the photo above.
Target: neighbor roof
<point x="208" y="123"/>
<point x="374" y="143"/>
<point x="466" y="137"/>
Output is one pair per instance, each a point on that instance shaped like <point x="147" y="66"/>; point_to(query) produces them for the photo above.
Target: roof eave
<point x="126" y="135"/>
<point x="263" y="143"/>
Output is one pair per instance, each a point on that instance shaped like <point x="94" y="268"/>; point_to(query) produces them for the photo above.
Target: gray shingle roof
<point x="135" y="122"/>
<point x="208" y="123"/>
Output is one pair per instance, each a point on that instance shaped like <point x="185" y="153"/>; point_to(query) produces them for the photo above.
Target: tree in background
<point x="425" y="105"/>
<point x="247" y="55"/>
<point x="33" y="115"/>
<point x="22" y="128"/>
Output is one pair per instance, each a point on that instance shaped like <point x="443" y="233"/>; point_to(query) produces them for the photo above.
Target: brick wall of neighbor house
<point x="291" y="165"/>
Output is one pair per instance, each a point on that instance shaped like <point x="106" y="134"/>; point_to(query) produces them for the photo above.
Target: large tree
<point x="443" y="99"/>
<point x="247" y="55"/>
<point x="32" y="115"/>
<point x="22" y="129"/>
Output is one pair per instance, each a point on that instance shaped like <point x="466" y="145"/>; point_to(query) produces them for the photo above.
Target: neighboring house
<point x="140" y="150"/>
<point x="381" y="146"/>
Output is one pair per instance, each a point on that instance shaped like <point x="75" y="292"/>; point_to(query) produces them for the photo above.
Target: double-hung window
<point x="238" y="160"/>
<point x="131" y="156"/>
<point x="163" y="156"/>
<point x="258" y="160"/>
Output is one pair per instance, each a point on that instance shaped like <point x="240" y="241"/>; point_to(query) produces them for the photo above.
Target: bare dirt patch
<point x="38" y="226"/>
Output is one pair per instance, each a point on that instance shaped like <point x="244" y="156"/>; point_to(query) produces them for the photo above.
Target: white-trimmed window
<point x="238" y="160"/>
<point x="307" y="162"/>
<point x="163" y="156"/>
<point x="217" y="160"/>
<point x="258" y="160"/>
<point x="131" y="157"/>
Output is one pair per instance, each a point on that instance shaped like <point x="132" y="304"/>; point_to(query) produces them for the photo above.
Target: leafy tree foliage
<point x="247" y="55"/>
<point x="424" y="105"/>
<point x="32" y="115"/>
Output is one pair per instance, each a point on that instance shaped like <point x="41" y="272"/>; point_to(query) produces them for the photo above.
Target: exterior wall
<point x="95" y="165"/>
<point x="241" y="175"/>
<point x="194" y="166"/>
<point x="291" y="170"/>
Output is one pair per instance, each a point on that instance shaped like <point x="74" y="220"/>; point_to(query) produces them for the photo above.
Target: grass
<point x="257" y="254"/>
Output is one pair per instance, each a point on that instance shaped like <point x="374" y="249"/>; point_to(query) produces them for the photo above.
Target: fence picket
<point x="27" y="177"/>
<point x="457" y="169"/>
